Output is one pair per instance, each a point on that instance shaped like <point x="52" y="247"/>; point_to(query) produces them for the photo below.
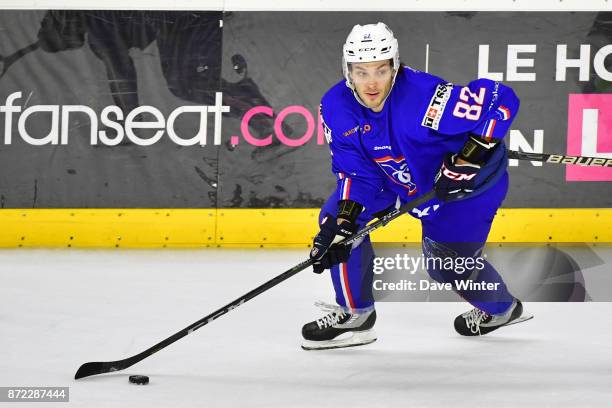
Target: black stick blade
<point x="94" y="368"/>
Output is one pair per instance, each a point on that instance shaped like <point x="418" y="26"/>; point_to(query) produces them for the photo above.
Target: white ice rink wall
<point x="305" y="5"/>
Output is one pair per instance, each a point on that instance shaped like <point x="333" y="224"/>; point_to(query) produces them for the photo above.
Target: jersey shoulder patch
<point x="437" y="105"/>
<point x="455" y="109"/>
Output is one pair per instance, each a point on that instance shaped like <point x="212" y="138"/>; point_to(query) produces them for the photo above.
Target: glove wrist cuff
<point x="349" y="210"/>
<point x="477" y="150"/>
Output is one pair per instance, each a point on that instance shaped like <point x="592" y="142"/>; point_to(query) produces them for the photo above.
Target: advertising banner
<point x="177" y="109"/>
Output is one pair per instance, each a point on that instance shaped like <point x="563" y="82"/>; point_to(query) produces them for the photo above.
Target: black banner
<point x="208" y="109"/>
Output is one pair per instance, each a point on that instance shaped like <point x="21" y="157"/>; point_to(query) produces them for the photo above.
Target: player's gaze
<point x="362" y="73"/>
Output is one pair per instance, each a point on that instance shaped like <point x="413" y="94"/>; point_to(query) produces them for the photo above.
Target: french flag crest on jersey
<point x="397" y="170"/>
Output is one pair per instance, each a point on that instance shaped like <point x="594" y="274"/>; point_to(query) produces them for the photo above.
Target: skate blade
<point x="360" y="338"/>
<point x="521" y="319"/>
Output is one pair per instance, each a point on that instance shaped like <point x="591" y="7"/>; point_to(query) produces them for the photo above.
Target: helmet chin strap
<point x="361" y="102"/>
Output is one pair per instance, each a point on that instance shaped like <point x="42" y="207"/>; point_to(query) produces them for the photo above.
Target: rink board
<point x="192" y="228"/>
<point x="258" y="172"/>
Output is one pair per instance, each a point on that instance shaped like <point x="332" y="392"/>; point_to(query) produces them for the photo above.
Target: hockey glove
<point x="455" y="181"/>
<point x="325" y="250"/>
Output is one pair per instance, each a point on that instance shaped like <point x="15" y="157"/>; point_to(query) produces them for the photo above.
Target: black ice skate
<point x="339" y="329"/>
<point x="478" y="323"/>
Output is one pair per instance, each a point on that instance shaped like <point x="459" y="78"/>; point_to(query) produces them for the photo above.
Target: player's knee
<point x="446" y="262"/>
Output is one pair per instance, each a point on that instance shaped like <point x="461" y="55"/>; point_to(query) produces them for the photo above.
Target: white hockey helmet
<point x="367" y="43"/>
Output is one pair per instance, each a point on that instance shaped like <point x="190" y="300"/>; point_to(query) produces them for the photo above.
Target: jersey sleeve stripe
<point x="346" y="189"/>
<point x="489" y="128"/>
<point x="505" y="112"/>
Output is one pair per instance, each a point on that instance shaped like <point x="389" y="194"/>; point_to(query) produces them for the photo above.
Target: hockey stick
<point x="561" y="159"/>
<point x="94" y="368"/>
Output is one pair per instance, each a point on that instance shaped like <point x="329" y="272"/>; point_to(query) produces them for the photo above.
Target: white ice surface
<point x="59" y="309"/>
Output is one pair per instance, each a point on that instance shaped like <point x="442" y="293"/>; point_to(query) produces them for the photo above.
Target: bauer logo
<point x="434" y="111"/>
<point x="589" y="121"/>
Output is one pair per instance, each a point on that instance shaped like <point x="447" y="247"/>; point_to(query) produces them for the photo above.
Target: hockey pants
<point x="458" y="229"/>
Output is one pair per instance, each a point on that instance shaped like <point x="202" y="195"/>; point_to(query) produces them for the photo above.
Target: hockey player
<point x="395" y="133"/>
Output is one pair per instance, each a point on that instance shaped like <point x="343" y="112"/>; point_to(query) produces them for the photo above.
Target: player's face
<point x="372" y="82"/>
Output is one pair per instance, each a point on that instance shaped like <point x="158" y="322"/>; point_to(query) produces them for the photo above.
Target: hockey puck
<point x="139" y="379"/>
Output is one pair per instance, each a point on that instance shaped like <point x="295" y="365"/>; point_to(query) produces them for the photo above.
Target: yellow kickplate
<point x="267" y="228"/>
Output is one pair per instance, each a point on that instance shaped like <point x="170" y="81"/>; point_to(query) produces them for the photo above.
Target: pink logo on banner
<point x="298" y="110"/>
<point x="589" y="133"/>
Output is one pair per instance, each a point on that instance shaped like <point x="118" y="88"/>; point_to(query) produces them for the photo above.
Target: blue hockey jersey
<point x="402" y="147"/>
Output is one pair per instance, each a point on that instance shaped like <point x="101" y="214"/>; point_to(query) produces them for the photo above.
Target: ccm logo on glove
<point x="456" y="176"/>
